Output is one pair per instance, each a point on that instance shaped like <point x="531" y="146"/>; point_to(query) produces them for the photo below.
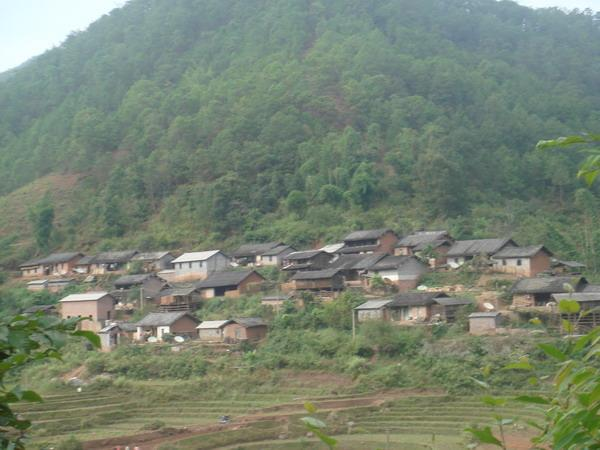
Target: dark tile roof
<point x="581" y="297"/>
<point x="358" y="249"/>
<point x="432" y="245"/>
<point x="423" y="238"/>
<point x="390" y="262"/>
<point x="521" y="252"/>
<point x="476" y="247"/>
<point x="132" y="280"/>
<point x="224" y="279"/>
<point x="249" y="322"/>
<point x="277" y="250"/>
<point x="570" y="264"/>
<point x="316" y="274"/>
<point x="114" y="257"/>
<point x="178" y="289"/>
<point x="305" y="254"/>
<point x="254" y="249"/>
<point x="366" y="234"/>
<point x="38" y="308"/>
<point x="453" y="301"/>
<point x="159" y="319"/>
<point x="416" y="299"/>
<point x="54" y="258"/>
<point x="150" y="256"/>
<point x="293" y="266"/>
<point x="547" y="285"/>
<point x="85" y="260"/>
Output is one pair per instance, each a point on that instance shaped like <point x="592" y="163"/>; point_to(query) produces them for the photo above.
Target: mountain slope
<point x="203" y="122"/>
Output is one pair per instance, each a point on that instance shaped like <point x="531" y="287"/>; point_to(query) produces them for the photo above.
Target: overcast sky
<point x="29" y="27"/>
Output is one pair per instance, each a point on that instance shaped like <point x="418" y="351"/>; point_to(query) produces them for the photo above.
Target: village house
<point x="249" y="254"/>
<point x="230" y="284"/>
<point x="433" y="244"/>
<point x="537" y="291"/>
<point x="97" y="307"/>
<point x="149" y="284"/>
<point x="370" y="241"/>
<point x="250" y="329"/>
<point x="212" y="330"/>
<point x="484" y="323"/>
<point x="332" y="248"/>
<point x="84" y="265"/>
<point x="56" y="264"/>
<point x="403" y="271"/>
<point x="329" y="280"/>
<point x="275" y="256"/>
<point x="179" y="297"/>
<point x="522" y="261"/>
<point x="161" y="324"/>
<point x="412" y="308"/>
<point x="115" y="334"/>
<point x="463" y="251"/>
<point x="199" y="265"/>
<point x="353" y="267"/>
<point x="47" y="310"/>
<point x="589" y="315"/>
<point x="111" y="262"/>
<point x="306" y="260"/>
<point x="153" y="261"/>
<point x="560" y="267"/>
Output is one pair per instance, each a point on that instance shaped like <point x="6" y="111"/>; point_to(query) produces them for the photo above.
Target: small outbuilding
<point x="249" y="329"/>
<point x="481" y="323"/>
<point x="212" y="330"/>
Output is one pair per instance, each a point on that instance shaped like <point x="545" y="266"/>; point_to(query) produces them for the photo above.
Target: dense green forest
<point x="200" y="123"/>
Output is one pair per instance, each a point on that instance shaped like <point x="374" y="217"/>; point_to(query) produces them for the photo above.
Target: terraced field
<point x="413" y="422"/>
<point x="269" y="419"/>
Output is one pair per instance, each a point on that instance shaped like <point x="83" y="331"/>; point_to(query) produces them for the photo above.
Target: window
<point x="190" y="265"/>
<point x="200" y="264"/>
<point x="503" y="262"/>
<point x="519" y="262"/>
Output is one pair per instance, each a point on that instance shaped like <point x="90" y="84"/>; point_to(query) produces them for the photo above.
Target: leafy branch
<point x="590" y="143"/>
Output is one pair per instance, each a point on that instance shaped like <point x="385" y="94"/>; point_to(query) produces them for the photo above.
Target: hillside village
<point x="392" y="272"/>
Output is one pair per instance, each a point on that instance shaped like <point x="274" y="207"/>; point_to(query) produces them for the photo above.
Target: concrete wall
<point x="483" y="325"/>
<point x="211" y="334"/>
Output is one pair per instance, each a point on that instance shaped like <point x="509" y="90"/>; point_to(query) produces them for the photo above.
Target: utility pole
<point x="353" y="324"/>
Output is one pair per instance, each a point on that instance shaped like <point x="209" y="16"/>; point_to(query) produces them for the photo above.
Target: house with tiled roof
<point x="382" y="240"/>
<point x="523" y="261"/>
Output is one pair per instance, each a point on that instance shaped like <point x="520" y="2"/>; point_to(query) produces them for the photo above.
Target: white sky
<point x="30" y="27"/>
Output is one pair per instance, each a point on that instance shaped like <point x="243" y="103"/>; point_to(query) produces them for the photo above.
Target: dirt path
<point x="153" y="439"/>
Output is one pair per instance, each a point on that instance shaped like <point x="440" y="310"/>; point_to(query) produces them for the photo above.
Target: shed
<point x="212" y="330"/>
<point x="249" y="329"/>
<point x="41" y="309"/>
<point x="481" y="323"/>
<point x="373" y="310"/>
<point x="116" y="333"/>
<point x="37" y="285"/>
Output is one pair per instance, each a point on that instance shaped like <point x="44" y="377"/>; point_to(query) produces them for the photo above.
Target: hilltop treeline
<point x="208" y="121"/>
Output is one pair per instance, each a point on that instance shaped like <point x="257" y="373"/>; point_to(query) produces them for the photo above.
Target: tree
<point x="24" y="339"/>
<point x="296" y="202"/>
<point x="41" y="217"/>
<point x="363" y="187"/>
